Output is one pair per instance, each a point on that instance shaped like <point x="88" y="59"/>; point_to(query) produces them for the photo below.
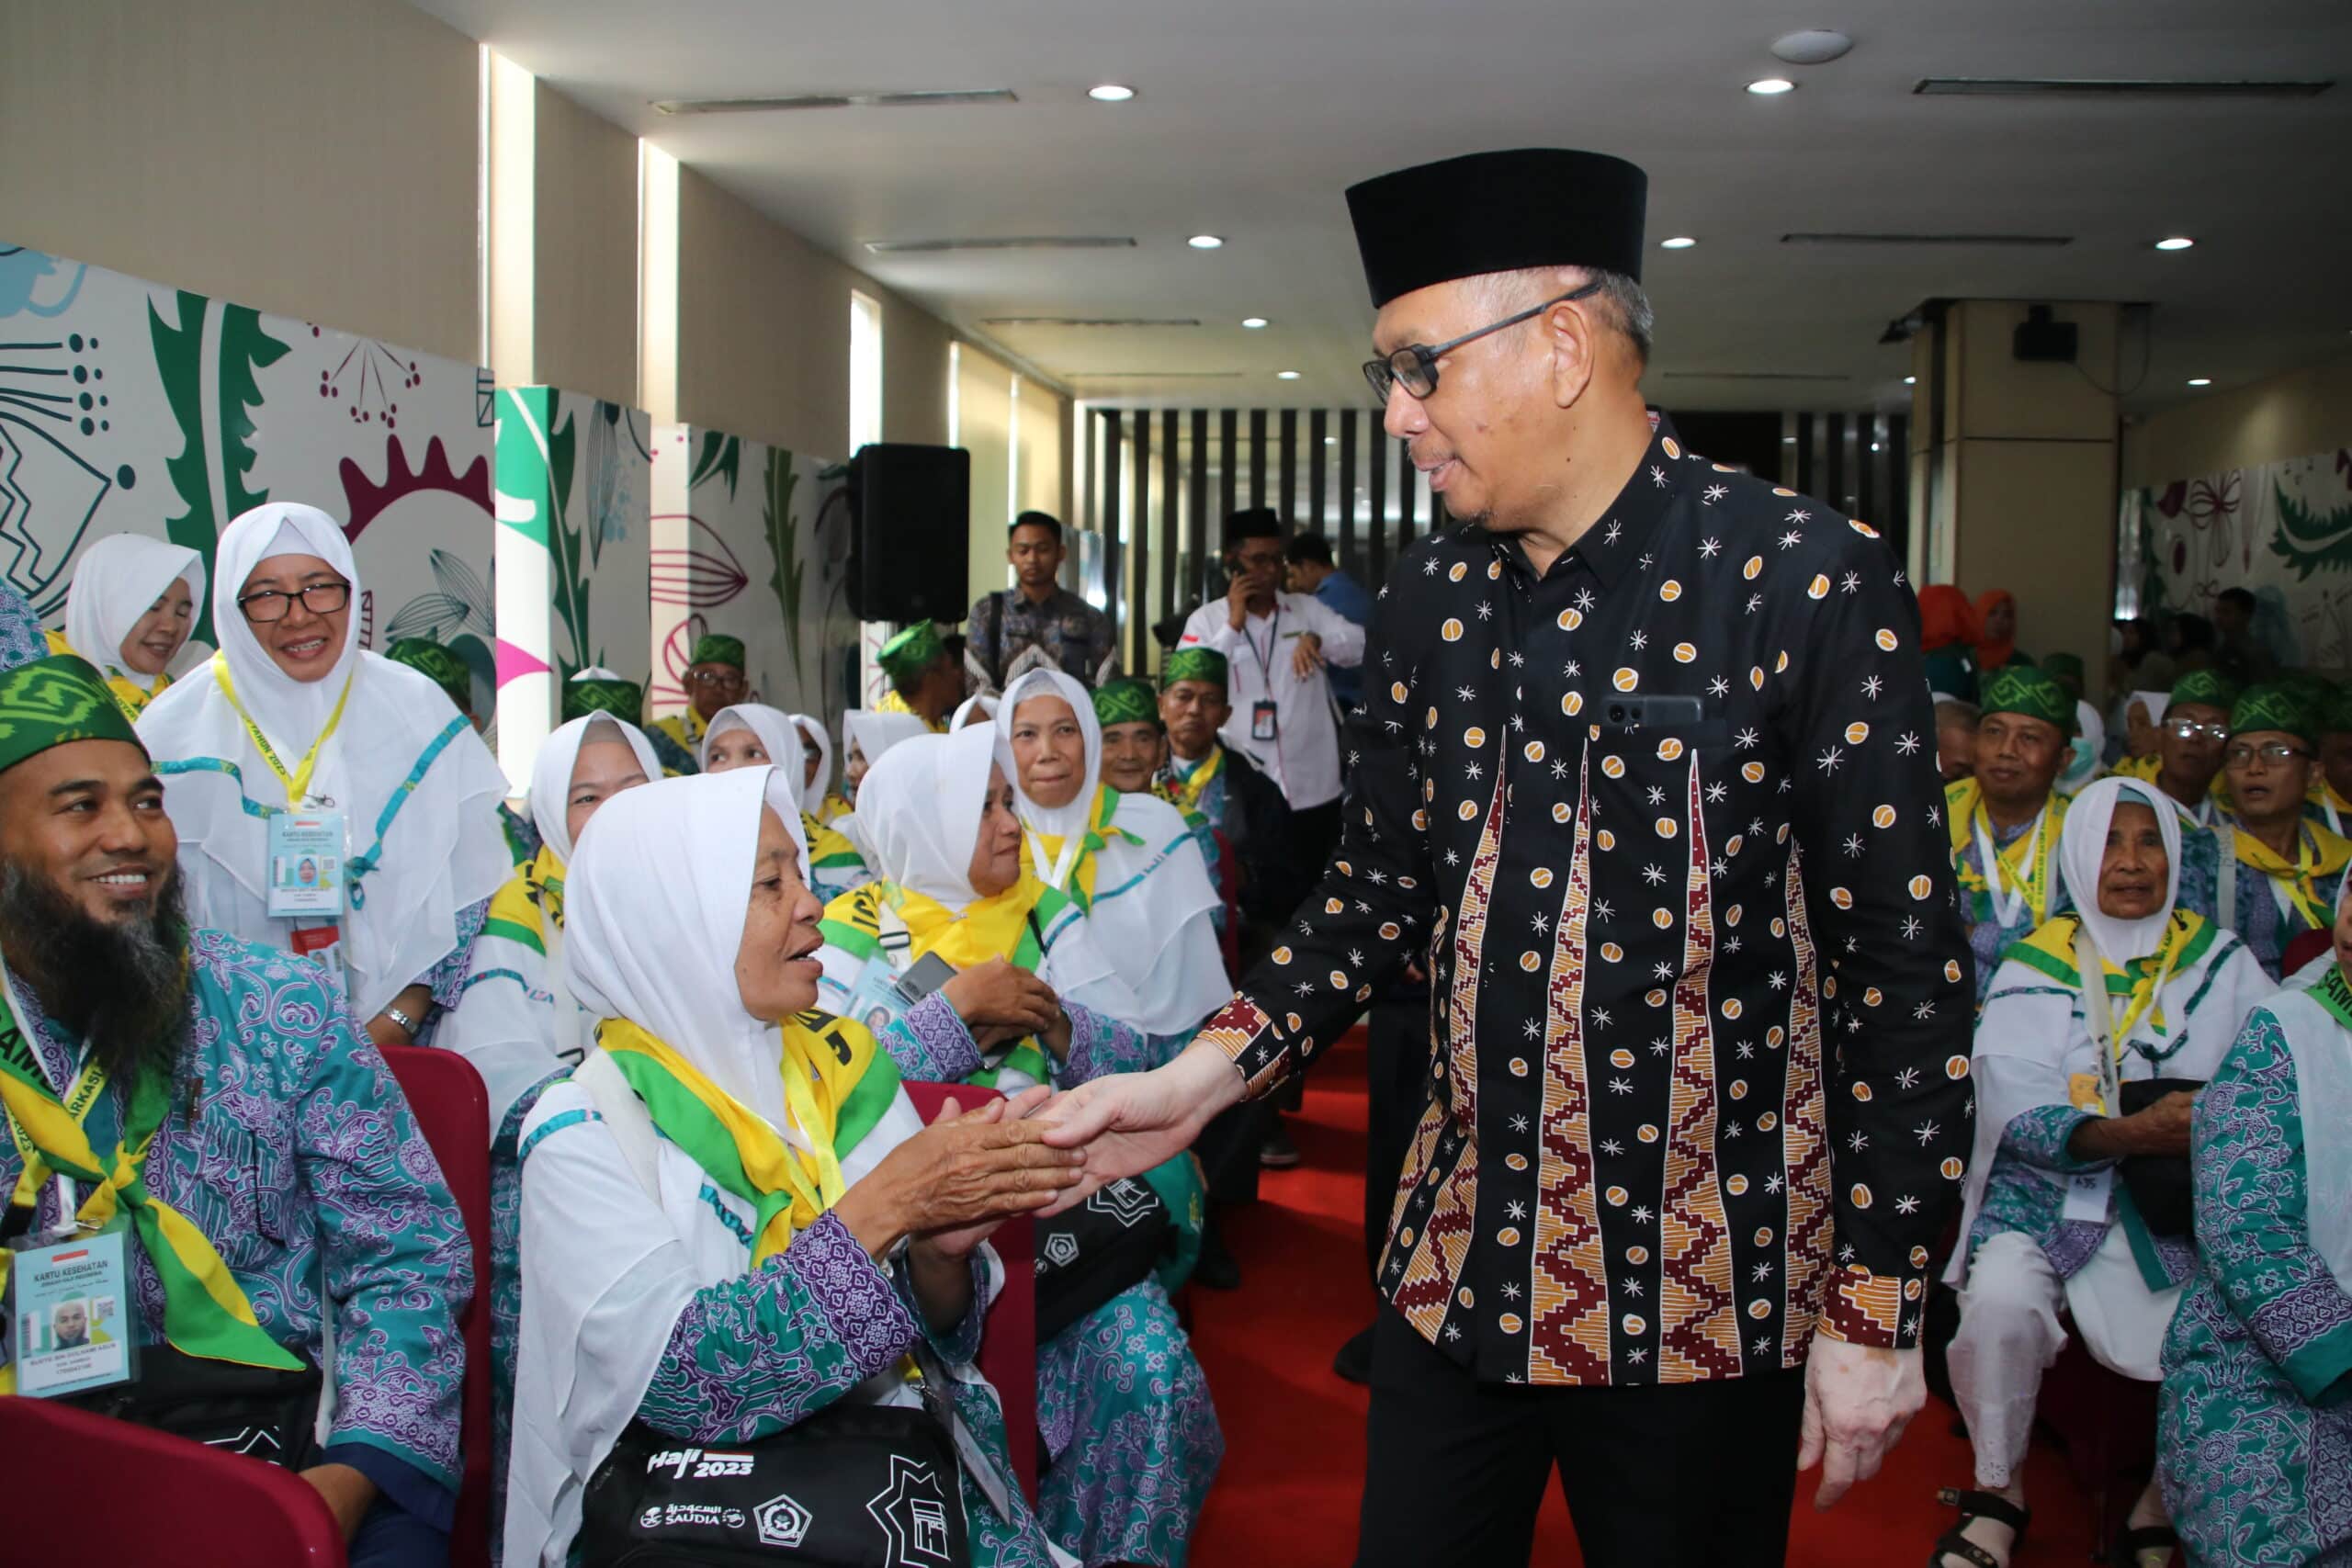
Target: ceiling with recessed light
<point x="1249" y="119"/>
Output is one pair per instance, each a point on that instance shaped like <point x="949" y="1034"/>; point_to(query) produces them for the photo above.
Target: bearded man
<point x="212" y="1101"/>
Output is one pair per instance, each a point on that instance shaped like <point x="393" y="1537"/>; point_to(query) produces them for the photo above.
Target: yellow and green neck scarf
<point x="2131" y="988"/>
<point x="1183" y="791"/>
<point x="829" y="849"/>
<point x="837" y="1086"/>
<point x="1099" y="835"/>
<point x="205" y="1310"/>
<point x="126" y="692"/>
<point x="2318" y="853"/>
<point x="2023" y="866"/>
<point x="520" y="909"/>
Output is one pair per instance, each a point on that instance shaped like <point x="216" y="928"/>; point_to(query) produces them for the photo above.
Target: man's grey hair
<point x="1955" y="710"/>
<point x="1622" y="303"/>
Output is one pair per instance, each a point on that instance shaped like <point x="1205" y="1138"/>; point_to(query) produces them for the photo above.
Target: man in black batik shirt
<point x="1646" y="768"/>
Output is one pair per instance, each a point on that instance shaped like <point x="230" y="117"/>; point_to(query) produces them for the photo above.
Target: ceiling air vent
<point x="2109" y="87"/>
<point x="1156" y="375"/>
<point x="934" y="98"/>
<point x="1003" y="242"/>
<point x="2030" y="242"/>
<point x="1090" y="321"/>
<point x="1754" y="376"/>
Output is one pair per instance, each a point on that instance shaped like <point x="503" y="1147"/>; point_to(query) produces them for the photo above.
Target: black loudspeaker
<point x="910" y="513"/>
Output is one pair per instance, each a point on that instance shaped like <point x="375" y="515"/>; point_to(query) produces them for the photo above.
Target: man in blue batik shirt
<point x="1310" y="569"/>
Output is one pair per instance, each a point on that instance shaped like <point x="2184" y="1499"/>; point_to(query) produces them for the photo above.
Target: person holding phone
<point x="1696" y="1106"/>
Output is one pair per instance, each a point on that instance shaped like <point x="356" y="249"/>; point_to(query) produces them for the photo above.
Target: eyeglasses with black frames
<point x="271" y="604"/>
<point x="1414" y="366"/>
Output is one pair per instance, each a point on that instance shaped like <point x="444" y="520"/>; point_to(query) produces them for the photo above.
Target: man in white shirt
<point x="1276" y="646"/>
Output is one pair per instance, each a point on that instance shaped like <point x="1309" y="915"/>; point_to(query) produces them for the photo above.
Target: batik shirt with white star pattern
<point x="1701" y="990"/>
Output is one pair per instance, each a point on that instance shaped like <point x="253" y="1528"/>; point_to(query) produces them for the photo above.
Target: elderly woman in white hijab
<point x="516" y="1021"/>
<point x="1131" y="1435"/>
<point x="128" y="613"/>
<point x="1129" y="861"/>
<point x="819" y="799"/>
<point x="2255" y="1431"/>
<point x="2047" y="1226"/>
<point x="753" y="734"/>
<point x="293" y="748"/>
<point x="980" y="709"/>
<point x="735" y="1227"/>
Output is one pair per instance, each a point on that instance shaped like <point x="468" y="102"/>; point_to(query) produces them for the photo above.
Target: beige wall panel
<point x="312" y="157"/>
<point x="1998" y="395"/>
<point x="2299" y="415"/>
<point x="585" y="316"/>
<point x="2038" y="518"/>
<point x="915" y="371"/>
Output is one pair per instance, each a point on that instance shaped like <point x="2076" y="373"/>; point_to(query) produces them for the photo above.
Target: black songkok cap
<point x="1498" y="212"/>
<point x="1252" y="523"/>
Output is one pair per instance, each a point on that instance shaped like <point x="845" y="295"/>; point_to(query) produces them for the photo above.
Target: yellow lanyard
<point x="297" y="782"/>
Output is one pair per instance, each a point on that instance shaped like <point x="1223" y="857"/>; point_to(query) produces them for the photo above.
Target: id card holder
<point x="322" y="945"/>
<point x="69" y="1301"/>
<point x="1264" y="724"/>
<point x="2083" y="1093"/>
<point x="306" y="864"/>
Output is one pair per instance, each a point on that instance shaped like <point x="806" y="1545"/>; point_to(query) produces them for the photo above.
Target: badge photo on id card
<point x="305" y="863"/>
<point x="1263" y="722"/>
<point x="66" y="1311"/>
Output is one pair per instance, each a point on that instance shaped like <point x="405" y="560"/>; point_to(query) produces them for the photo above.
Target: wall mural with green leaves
<point x="132" y="407"/>
<point x="754" y="541"/>
<point x="574" y="554"/>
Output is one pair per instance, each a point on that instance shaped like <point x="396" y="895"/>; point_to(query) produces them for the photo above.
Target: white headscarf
<point x="873" y="733"/>
<point x="655" y="906"/>
<point x="983" y="705"/>
<point x="1153" y="908"/>
<point x="778" y="737"/>
<point x="812" y="731"/>
<point x="116" y="582"/>
<point x="551" y="774"/>
<point x="445" y="851"/>
<point x="2323" y="1053"/>
<point x="2082" y="847"/>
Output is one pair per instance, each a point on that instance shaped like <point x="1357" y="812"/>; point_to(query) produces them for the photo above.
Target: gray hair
<point x="1621" y="299"/>
<point x="1957" y="711"/>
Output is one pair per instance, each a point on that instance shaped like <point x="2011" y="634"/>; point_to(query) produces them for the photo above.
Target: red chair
<point x="452" y="1108"/>
<point x="188" y="1506"/>
<point x="1008" y="1349"/>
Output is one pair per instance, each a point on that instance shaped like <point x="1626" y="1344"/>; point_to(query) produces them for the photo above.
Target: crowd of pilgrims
<point x="696" y="970"/>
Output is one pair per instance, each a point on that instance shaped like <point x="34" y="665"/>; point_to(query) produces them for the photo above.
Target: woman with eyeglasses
<point x="291" y="741"/>
<point x="2287" y="872"/>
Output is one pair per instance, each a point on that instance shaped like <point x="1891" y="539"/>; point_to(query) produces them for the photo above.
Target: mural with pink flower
<point x="2283" y="531"/>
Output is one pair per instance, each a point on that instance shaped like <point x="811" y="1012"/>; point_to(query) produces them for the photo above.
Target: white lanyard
<point x="1071" y="844"/>
<point x="2006" y="906"/>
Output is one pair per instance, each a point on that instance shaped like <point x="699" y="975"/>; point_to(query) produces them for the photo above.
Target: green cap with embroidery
<point x="1204" y="664"/>
<point x="2274" y="707"/>
<point x="438" y="664"/>
<point x="48" y="699"/>
<point x="597" y="690"/>
<point x="1127" y="700"/>
<point x="718" y="647"/>
<point x="911" y="652"/>
<point x="2209" y="687"/>
<point x="2021" y="688"/>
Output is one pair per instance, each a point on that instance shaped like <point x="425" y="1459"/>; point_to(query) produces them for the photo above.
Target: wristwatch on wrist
<point x="409" y="1026"/>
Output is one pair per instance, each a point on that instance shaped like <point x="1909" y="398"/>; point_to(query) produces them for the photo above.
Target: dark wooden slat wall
<point x="1337" y="472"/>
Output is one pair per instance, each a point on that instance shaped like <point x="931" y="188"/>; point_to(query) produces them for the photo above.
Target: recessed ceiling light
<point x="1110" y="93"/>
<point x="1788" y="440"/>
<point x="1286" y="375"/>
<point x="1771" y="86"/>
<point x="1874" y="446"/>
<point x="2175" y="242"/>
<point x="1910" y="380"/>
<point x="2200" y="380"/>
<point x="1331" y="441"/>
<point x="1204" y="242"/>
<point x="1254" y="323"/>
<point x="1680" y="242"/>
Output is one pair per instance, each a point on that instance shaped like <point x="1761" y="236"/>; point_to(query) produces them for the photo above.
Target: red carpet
<point x="1294" y="1432"/>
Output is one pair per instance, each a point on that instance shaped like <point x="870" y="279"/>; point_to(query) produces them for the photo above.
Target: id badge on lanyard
<point x="69" y="1312"/>
<point x="306" y="856"/>
<point x="1265" y="720"/>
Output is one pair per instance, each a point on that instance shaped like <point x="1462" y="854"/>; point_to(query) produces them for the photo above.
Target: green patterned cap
<point x="48" y="699"/>
<point x="2209" y="687"/>
<point x="2021" y="688"/>
<point x="911" y="652"/>
<point x="1205" y="664"/>
<point x="600" y="691"/>
<point x="437" y="664"/>
<point x="2063" y="667"/>
<point x="2273" y="706"/>
<point x="1126" y="701"/>
<point x="718" y="647"/>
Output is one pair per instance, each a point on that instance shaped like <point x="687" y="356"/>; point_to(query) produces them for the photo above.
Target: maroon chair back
<point x="123" y="1493"/>
<point x="452" y="1110"/>
<point x="2306" y="946"/>
<point x="1009" y="1347"/>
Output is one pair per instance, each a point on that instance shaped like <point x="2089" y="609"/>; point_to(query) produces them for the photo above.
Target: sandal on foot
<point x="2137" y="1538"/>
<point x="1974" y="1506"/>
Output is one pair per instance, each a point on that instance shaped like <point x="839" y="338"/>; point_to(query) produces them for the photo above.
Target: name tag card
<point x="70" y="1327"/>
<point x="306" y="854"/>
<point x="1264" y="722"/>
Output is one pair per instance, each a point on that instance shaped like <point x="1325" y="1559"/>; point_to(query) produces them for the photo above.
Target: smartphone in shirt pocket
<point x="1681" y="719"/>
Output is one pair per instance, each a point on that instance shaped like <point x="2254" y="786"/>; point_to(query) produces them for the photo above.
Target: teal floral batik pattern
<point x="2255" y="1431"/>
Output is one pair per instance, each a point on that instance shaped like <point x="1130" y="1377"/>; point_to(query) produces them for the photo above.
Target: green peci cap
<point x="597" y="690"/>
<point x="718" y="647"/>
<point x="1204" y="664"/>
<point x="911" y="652"/>
<point x="48" y="699"/>
<point x="438" y="664"/>
<point x="2274" y="707"/>
<point x="1127" y="700"/>
<point x="2209" y="687"/>
<point x="2021" y="688"/>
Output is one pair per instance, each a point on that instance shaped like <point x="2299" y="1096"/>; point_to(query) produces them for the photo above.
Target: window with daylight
<point x="864" y="371"/>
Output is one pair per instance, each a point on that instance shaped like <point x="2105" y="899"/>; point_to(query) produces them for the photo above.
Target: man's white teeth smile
<point x="125" y="879"/>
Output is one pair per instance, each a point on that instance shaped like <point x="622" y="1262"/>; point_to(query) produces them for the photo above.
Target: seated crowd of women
<point x="717" y="1221"/>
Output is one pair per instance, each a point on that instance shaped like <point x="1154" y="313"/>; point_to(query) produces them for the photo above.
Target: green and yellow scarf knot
<point x="1184" y="790"/>
<point x="2187" y="938"/>
<point x="526" y="901"/>
<point x="205" y="1310"/>
<point x="2318" y="853"/>
<point x="126" y="693"/>
<point x="837" y="1088"/>
<point x="2018" y="870"/>
<point x="1099" y="834"/>
<point x="829" y="849"/>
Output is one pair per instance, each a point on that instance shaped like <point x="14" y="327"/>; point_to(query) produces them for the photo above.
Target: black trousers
<point x="1657" y="1476"/>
